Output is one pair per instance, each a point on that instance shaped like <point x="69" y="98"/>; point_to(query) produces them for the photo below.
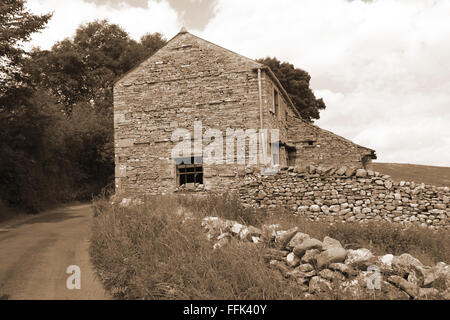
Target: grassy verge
<point x="380" y="237"/>
<point x="148" y="252"/>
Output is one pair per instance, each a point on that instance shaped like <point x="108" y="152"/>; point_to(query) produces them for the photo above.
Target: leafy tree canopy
<point x="83" y="69"/>
<point x="296" y="82"/>
<point x="16" y="27"/>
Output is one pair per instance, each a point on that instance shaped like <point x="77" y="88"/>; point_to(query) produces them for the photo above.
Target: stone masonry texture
<point x="191" y="79"/>
<point x="349" y="195"/>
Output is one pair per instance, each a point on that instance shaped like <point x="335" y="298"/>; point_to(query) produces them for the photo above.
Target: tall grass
<point x="150" y="252"/>
<point x="380" y="236"/>
<point x="147" y="252"/>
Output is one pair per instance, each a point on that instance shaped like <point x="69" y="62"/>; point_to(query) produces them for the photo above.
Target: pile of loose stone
<point x="348" y="195"/>
<point x="326" y="267"/>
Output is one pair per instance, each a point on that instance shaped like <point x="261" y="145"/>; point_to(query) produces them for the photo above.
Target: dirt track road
<point x="35" y="254"/>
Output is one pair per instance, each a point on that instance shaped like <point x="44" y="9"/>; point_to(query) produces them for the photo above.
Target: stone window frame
<point x="189" y="169"/>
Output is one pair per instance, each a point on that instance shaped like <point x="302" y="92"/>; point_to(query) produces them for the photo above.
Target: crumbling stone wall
<point x="348" y="195"/>
<point x="321" y="147"/>
<point x="329" y="269"/>
<point x="190" y="80"/>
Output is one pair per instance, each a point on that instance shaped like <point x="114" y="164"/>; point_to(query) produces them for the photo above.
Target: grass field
<point x="147" y="252"/>
<point x="438" y="176"/>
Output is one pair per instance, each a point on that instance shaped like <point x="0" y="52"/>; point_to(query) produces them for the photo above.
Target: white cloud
<point x="381" y="67"/>
<point x="68" y="15"/>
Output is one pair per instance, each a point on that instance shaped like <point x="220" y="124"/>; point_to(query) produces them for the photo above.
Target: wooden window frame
<point x="189" y="170"/>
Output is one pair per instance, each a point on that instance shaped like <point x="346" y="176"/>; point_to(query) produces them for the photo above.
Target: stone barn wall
<point x="348" y="195"/>
<point x="191" y="80"/>
<point x="188" y="80"/>
<point x="321" y="147"/>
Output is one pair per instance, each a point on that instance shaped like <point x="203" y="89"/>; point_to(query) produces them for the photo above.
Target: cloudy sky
<point x="382" y="66"/>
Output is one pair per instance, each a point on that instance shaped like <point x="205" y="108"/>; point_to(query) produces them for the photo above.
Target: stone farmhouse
<point x="191" y="79"/>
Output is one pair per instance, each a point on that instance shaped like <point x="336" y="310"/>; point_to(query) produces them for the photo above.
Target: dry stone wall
<point x="348" y="195"/>
<point x="326" y="268"/>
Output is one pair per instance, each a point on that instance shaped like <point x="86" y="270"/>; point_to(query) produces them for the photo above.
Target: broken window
<point x="310" y="143"/>
<point x="292" y="156"/>
<point x="189" y="170"/>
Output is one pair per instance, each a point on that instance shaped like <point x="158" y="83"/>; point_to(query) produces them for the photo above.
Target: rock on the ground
<point x="247" y="233"/>
<point x="329" y="243"/>
<point x="236" y="228"/>
<point x="306" y="267"/>
<point x="410" y="288"/>
<point x="306" y="245"/>
<point x="310" y="256"/>
<point x="319" y="285"/>
<point x="404" y="264"/>
<point x="391" y="292"/>
<point x="292" y="260"/>
<point x="331" y="255"/>
<point x="428" y="293"/>
<point x="274" y="254"/>
<point x="296" y="240"/>
<point x="298" y="274"/>
<point x="358" y="256"/>
<point x="361" y="173"/>
<point x="331" y="275"/>
<point x="283" y="237"/>
<point x="343" y="268"/>
<point x="386" y="260"/>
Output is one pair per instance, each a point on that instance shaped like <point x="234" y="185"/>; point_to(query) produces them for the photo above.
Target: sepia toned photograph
<point x="220" y="156"/>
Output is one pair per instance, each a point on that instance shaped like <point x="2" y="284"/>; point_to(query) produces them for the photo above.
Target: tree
<point x="296" y="82"/>
<point x="79" y="74"/>
<point x="21" y="122"/>
<point x="83" y="69"/>
<point x="16" y="27"/>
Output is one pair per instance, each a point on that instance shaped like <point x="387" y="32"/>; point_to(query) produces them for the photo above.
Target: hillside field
<point x="438" y="176"/>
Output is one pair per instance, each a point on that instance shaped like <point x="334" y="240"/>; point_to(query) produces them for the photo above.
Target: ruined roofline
<point x="316" y="127"/>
